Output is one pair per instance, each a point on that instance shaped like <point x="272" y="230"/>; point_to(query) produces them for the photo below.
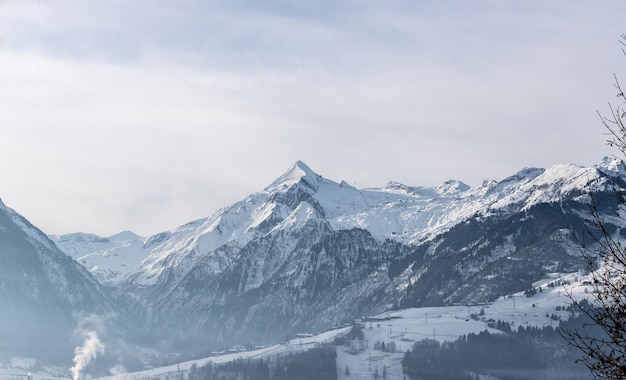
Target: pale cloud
<point x="145" y="115"/>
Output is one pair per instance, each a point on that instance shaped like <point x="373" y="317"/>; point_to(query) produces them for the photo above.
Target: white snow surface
<point x="399" y="212"/>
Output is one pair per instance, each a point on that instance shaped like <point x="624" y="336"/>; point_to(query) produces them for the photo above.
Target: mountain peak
<point x="451" y="186"/>
<point x="298" y="172"/>
<point x="398" y="187"/>
<point x="612" y="166"/>
<point x="304" y="167"/>
<point x="125" y="236"/>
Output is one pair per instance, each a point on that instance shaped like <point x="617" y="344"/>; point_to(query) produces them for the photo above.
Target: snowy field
<point x="449" y="323"/>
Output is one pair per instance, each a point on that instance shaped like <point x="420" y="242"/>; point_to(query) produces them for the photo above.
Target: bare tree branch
<point x="605" y="353"/>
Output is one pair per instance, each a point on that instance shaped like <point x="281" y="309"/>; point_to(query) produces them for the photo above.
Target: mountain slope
<point x="43" y="292"/>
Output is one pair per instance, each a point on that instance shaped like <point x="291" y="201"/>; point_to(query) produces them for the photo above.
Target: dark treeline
<point x="314" y="364"/>
<point x="522" y="353"/>
<point x="472" y="352"/>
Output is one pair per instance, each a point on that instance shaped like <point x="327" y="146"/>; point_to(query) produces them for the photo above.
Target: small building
<point x="235" y="349"/>
<point x="357" y="346"/>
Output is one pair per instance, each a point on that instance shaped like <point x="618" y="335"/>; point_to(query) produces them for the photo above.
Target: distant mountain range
<point x="307" y="253"/>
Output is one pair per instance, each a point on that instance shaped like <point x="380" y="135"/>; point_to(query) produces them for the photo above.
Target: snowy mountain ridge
<point x="398" y="212"/>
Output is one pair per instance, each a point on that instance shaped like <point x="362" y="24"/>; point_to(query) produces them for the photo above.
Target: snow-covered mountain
<point x="43" y="292"/>
<point x="111" y="260"/>
<point x="307" y="252"/>
<point x="81" y="244"/>
<point x="405" y="214"/>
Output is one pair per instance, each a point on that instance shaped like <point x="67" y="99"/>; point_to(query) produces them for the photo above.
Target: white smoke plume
<point x="84" y="354"/>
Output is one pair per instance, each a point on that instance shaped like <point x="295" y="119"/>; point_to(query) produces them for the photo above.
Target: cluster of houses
<point x="236" y="349"/>
<point x="357" y="345"/>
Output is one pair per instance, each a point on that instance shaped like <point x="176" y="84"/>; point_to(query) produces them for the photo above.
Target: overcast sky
<point x="145" y="115"/>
